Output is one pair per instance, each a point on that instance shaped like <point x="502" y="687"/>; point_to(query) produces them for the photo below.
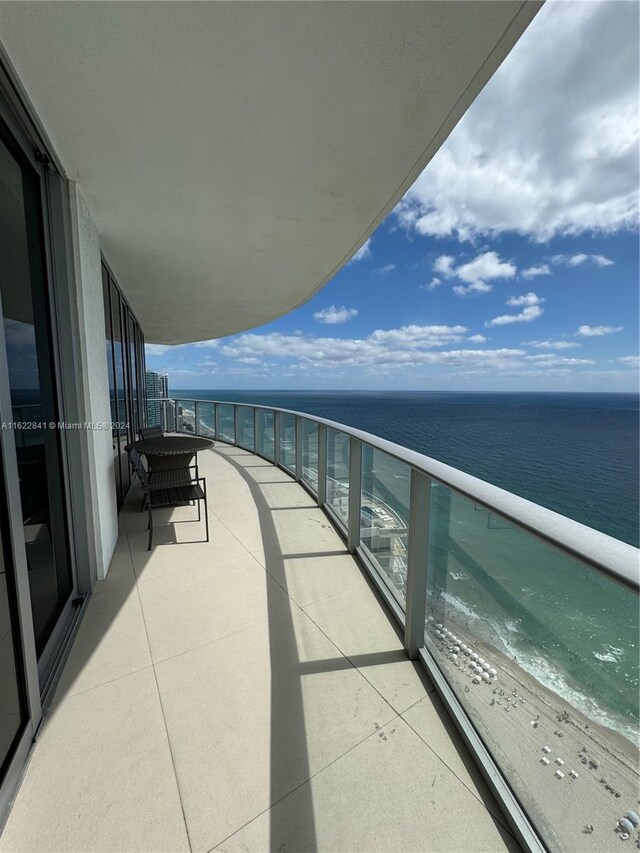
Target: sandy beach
<point x="529" y="730"/>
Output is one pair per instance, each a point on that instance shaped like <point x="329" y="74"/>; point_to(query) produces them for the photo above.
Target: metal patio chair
<point x="167" y="489"/>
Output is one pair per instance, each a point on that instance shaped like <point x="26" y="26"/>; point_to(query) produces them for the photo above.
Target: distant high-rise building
<point x="157" y="389"/>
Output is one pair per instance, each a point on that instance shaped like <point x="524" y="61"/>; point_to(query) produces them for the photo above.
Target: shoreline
<point x="520" y="719"/>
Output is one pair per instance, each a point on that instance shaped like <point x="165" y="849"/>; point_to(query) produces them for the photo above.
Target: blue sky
<point x="511" y="264"/>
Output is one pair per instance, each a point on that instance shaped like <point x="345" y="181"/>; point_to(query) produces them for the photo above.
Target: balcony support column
<point x="355" y="488"/>
<point x="417" y="562"/>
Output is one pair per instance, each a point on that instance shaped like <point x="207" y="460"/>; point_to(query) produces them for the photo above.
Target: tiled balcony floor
<point x="250" y="694"/>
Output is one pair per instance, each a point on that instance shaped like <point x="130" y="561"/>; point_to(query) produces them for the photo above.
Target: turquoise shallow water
<point x="575" y="631"/>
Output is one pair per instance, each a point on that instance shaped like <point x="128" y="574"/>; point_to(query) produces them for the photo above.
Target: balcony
<point x="246" y="694"/>
<point x="322" y="675"/>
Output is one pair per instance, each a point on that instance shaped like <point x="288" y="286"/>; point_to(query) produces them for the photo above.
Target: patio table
<point x="170" y="451"/>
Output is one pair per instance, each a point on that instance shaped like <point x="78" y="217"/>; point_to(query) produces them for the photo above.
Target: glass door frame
<point x="44" y="306"/>
<point x="52" y="213"/>
<point x="10" y="489"/>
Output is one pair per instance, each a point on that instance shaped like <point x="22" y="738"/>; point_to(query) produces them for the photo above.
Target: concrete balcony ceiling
<point x="236" y="155"/>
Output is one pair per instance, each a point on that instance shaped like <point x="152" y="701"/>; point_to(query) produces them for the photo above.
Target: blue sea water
<point x="577" y="454"/>
<point x="574" y="453"/>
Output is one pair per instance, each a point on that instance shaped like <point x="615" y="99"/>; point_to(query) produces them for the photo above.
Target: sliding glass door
<point x="34" y="413"/>
<point x="14" y="713"/>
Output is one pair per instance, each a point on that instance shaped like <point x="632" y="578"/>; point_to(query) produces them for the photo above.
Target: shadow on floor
<point x="275" y="566"/>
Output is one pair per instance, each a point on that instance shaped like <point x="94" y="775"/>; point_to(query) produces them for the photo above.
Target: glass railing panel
<point x="310" y="454"/>
<point x="288" y="441"/>
<point x="207" y="420"/>
<point x="265" y="439"/>
<point x="153" y="413"/>
<point x="245" y="427"/>
<point x="226" y="424"/>
<point x="168" y="416"/>
<point x="338" y="473"/>
<point x="384" y="517"/>
<point x="542" y="652"/>
<point x="185" y="411"/>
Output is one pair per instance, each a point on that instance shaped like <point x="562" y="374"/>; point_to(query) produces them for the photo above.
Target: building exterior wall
<point x="93" y="380"/>
<point x="157" y="386"/>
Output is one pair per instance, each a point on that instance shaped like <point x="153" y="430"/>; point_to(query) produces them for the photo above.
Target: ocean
<point x="577" y="454"/>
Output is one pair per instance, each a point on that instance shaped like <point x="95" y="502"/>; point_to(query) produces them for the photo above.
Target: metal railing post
<point x="299" y="426"/>
<point x="355" y="487"/>
<point x="255" y="430"/>
<point x="196" y="406"/>
<point x="276" y="437"/>
<point x="322" y="464"/>
<point x="235" y="426"/>
<point x="417" y="562"/>
<point x="216" y="419"/>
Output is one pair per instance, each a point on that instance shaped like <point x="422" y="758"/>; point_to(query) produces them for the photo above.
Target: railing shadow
<point x="288" y="729"/>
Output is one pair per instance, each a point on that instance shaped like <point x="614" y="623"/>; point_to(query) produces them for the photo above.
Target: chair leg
<point x="199" y="517"/>
<point x="206" y="514"/>
<point x="150" y="528"/>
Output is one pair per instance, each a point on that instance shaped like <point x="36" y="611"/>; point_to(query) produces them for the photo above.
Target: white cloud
<point x="156" y="349"/>
<point x="363" y="252"/>
<point x="550" y="147"/>
<point x="532" y="272"/>
<point x="557" y="345"/>
<point x="435" y="282"/>
<point x="332" y="315"/>
<point x="477" y="339"/>
<point x="597" y="331"/>
<point x="486" y="266"/>
<point x="476" y="287"/>
<point x="525" y="316"/>
<point x="444" y="265"/>
<point x="601" y="261"/>
<point x="476" y="273"/>
<point x="550" y="360"/>
<point x="402" y="348"/>
<point x="525" y="299"/>
<point x="582" y="258"/>
<point x="387" y="268"/>
<point x="630" y="360"/>
<point x="421" y="336"/>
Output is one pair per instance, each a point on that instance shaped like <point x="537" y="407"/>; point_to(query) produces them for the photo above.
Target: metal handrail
<point x="605" y="554"/>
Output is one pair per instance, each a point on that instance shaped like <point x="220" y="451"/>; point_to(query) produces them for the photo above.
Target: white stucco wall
<point x="94" y="382"/>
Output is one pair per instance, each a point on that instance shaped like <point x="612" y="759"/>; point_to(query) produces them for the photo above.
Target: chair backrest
<point x="136" y="462"/>
<point x="151" y="431"/>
